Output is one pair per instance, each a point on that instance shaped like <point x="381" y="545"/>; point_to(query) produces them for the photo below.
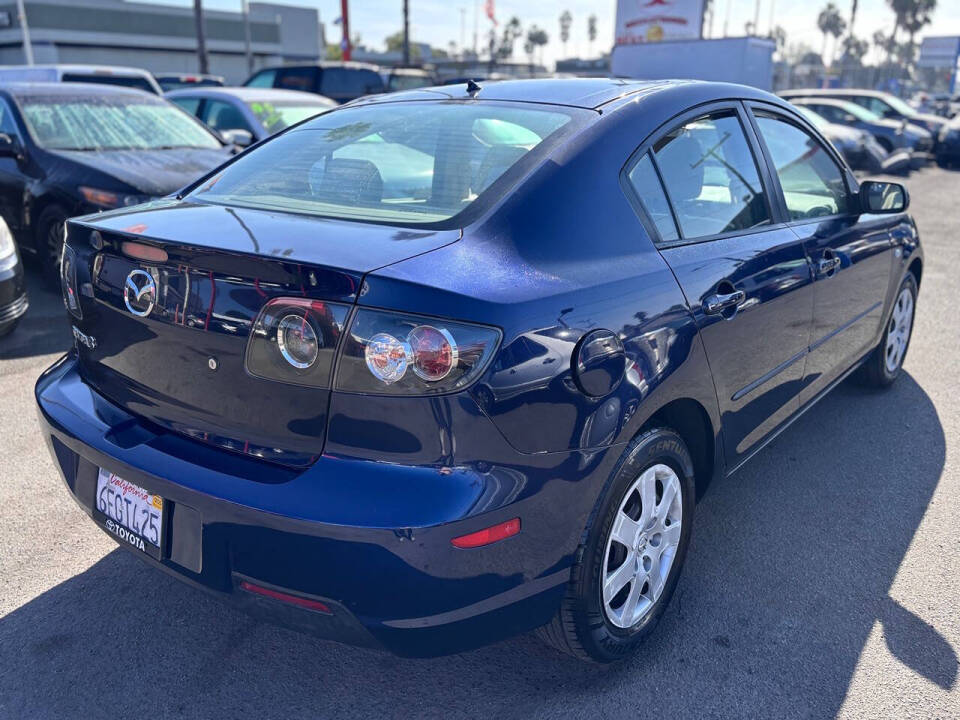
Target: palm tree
<point x="566" y="20"/>
<point x="592" y="31"/>
<point x="831" y="23"/>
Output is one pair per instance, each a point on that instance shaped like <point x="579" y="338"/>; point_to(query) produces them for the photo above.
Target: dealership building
<point x="159" y="38"/>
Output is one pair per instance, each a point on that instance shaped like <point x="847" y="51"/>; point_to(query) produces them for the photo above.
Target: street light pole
<point x="246" y="36"/>
<point x="201" y="37"/>
<point x="406" y="32"/>
<point x="345" y="24"/>
<point x="25" y="29"/>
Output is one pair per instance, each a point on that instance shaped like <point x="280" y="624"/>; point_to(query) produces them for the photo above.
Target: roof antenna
<point x="472" y="87"/>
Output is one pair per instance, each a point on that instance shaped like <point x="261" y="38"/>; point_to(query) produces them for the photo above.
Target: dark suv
<point x="341" y="81"/>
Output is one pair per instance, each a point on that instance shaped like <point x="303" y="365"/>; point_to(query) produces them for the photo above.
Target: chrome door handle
<point x="718" y="302"/>
<point x="827" y="265"/>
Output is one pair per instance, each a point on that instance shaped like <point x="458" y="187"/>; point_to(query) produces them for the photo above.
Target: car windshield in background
<point x="277" y="116"/>
<point x="130" y="81"/>
<point x="86" y="122"/>
<point x="899" y="105"/>
<point x="860" y="112"/>
<point x="404" y="163"/>
<point x="408" y="82"/>
<point x="818" y="122"/>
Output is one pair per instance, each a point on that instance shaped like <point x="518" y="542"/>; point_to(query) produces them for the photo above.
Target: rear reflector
<point x="144" y="252"/>
<point x="303" y="602"/>
<point x="488" y="535"/>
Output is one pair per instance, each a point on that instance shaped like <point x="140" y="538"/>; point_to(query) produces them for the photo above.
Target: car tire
<point x="49" y="242"/>
<point x="587" y="624"/>
<point x="884" y="364"/>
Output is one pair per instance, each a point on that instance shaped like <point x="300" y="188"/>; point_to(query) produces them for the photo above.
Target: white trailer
<point x="745" y="60"/>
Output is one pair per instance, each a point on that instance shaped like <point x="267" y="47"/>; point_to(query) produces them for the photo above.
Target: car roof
<point x="26" y="89"/>
<point x="66" y="67"/>
<point x="350" y="64"/>
<point x="248" y="94"/>
<point x="590" y="93"/>
<point x="828" y="92"/>
<point x="834" y="101"/>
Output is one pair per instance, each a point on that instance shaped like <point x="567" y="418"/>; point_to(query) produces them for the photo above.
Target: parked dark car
<point x="882" y="104"/>
<point x="948" y="147"/>
<point x="13" y="291"/>
<point x="339" y="81"/>
<point x="245" y="115"/>
<point x="858" y="147"/>
<point x="893" y="135"/>
<point x="174" y="81"/>
<point x="69" y="149"/>
<point x="129" y="77"/>
<point x="400" y="78"/>
<point x="294" y="385"/>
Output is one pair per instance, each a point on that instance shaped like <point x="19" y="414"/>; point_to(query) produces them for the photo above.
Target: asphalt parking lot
<point x="822" y="579"/>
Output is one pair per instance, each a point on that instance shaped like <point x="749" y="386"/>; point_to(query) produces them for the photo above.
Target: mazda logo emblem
<point x="140" y="292"/>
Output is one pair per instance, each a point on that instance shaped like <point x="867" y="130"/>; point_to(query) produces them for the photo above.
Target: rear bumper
<point x="370" y="540"/>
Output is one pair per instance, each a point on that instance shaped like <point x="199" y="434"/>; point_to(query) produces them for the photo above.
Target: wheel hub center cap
<point x="641" y="542"/>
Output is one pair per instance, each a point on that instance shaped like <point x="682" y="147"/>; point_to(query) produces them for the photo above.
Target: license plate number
<point x="129" y="512"/>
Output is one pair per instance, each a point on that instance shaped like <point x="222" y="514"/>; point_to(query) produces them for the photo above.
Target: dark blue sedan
<point x="444" y="366"/>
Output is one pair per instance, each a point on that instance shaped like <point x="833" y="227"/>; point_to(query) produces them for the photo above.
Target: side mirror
<point x="883" y="197"/>
<point x="9" y="146"/>
<point x="238" y="137"/>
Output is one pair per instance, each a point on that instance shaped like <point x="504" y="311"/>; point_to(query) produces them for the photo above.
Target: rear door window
<point x="711" y="176"/>
<point x="297" y="78"/>
<point x="812" y="182"/>
<point x="264" y="78"/>
<point x="349" y="83"/>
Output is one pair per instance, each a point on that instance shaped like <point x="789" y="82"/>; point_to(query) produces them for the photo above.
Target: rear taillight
<point x="399" y="354"/>
<point x="68" y="281"/>
<point x="295" y="340"/>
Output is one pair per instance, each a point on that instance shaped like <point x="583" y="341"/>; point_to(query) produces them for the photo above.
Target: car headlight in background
<point x="108" y="199"/>
<point x="7" y="248"/>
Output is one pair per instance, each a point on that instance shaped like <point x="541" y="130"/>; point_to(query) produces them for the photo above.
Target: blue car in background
<point x="439" y="367"/>
<point x="892" y="135"/>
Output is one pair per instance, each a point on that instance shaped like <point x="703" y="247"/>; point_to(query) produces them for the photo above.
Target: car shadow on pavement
<point x="44" y="329"/>
<point x="790" y="569"/>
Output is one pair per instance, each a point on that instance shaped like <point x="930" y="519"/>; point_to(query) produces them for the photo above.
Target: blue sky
<point x="438" y="21"/>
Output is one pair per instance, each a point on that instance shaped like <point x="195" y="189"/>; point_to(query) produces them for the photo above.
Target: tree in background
<point x="511" y="33"/>
<point x="779" y="37"/>
<point x="831" y="23"/>
<point x="566" y="20"/>
<point x="395" y="44"/>
<point x="536" y="39"/>
<point x="911" y="16"/>
<point x="592" y="31"/>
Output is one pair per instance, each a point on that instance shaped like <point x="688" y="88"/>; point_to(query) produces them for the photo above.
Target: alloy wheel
<point x="641" y="546"/>
<point x="898" y="332"/>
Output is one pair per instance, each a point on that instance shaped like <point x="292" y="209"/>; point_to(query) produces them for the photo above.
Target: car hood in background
<point x="152" y="172"/>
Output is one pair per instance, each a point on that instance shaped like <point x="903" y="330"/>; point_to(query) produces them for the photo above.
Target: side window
<point x="643" y="178"/>
<point x="711" y="176"/>
<point x="830" y="112"/>
<point x="7" y="124"/>
<point x="190" y="104"/>
<point x="264" y="78"/>
<point x="223" y="116"/>
<point x="813" y="184"/>
<point x="349" y="83"/>
<point x="297" y="78"/>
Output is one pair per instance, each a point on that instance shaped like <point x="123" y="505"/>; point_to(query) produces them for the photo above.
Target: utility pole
<point x="246" y="36"/>
<point x="773" y="5"/>
<point x="476" y="21"/>
<point x="406" y="32"/>
<point x="726" y="20"/>
<point x="201" y="37"/>
<point x="756" y="19"/>
<point x="25" y="29"/>
<point x="345" y="25"/>
<point x="463" y="15"/>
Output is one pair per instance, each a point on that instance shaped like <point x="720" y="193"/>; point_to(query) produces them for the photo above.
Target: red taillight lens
<point x="299" y="601"/>
<point x="488" y="535"/>
<point x="398" y="354"/>
<point x="434" y="352"/>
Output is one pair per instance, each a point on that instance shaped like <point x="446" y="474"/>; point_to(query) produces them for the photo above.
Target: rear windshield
<point x="394" y="162"/>
<point x="123" y="122"/>
<point x="131" y="81"/>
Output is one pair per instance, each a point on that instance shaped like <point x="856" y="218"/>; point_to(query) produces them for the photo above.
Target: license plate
<point x="131" y="513"/>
